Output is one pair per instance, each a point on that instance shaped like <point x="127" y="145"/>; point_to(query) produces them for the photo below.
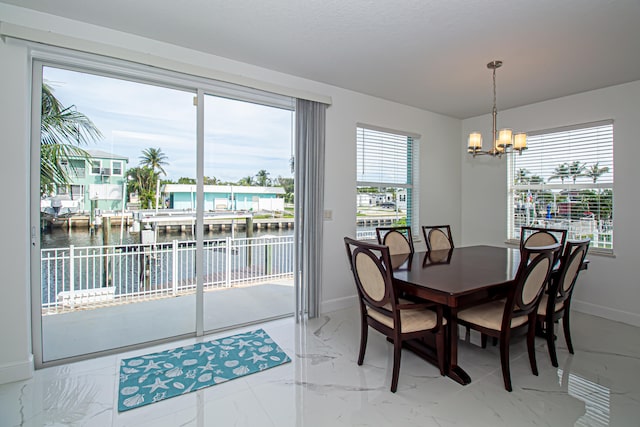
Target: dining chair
<point x="381" y="309"/>
<point x="556" y="303"/>
<point x="538" y="236"/>
<point x="437" y="237"/>
<point x="398" y="239"/>
<point x="502" y="318"/>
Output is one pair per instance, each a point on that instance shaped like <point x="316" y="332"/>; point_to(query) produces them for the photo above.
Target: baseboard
<point x="606" y="312"/>
<point x="18" y="371"/>
<point x="338" y="304"/>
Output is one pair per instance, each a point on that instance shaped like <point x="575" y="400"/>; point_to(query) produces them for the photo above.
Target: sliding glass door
<point x="248" y="204"/>
<point x="114" y="271"/>
<point x="140" y="236"/>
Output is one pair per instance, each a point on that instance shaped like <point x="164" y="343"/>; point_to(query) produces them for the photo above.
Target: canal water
<point x="58" y="237"/>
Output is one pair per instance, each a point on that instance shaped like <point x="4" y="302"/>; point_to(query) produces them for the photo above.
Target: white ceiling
<point x="430" y="54"/>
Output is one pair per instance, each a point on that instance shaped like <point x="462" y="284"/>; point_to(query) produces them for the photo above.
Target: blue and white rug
<point x="158" y="376"/>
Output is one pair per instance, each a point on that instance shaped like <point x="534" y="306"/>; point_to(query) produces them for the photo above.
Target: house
<point x="225" y="197"/>
<point x="469" y="194"/>
<point x="99" y="183"/>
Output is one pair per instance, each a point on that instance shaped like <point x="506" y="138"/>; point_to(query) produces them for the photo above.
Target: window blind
<point x="384" y="158"/>
<point x="565" y="180"/>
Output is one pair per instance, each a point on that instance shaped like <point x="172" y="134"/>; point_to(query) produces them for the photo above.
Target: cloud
<point x="241" y="138"/>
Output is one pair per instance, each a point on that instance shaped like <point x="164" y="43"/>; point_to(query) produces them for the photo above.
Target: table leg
<point x="455" y="372"/>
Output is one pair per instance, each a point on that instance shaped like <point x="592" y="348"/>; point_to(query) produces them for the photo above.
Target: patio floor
<point x="105" y="328"/>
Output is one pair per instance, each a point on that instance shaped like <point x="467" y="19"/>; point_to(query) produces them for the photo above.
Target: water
<point x="159" y="268"/>
<point x="63" y="238"/>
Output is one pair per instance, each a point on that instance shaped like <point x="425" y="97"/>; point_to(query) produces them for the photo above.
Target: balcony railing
<point x="81" y="277"/>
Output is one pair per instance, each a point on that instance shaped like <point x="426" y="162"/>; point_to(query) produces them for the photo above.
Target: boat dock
<point x="169" y="221"/>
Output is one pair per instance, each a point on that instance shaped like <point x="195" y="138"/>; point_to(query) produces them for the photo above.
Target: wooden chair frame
<point x="558" y="303"/>
<point x="515" y="306"/>
<point x="428" y="232"/>
<point x="384" y="234"/>
<point x="389" y="305"/>
<point x="553" y="232"/>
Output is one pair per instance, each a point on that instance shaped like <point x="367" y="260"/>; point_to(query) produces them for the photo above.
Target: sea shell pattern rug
<point x="158" y="376"/>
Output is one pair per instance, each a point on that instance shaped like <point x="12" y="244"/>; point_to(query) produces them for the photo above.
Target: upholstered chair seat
<point x="517" y="312"/>
<point x="489" y="315"/>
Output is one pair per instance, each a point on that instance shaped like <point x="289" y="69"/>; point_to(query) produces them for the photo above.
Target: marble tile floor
<point x="323" y="386"/>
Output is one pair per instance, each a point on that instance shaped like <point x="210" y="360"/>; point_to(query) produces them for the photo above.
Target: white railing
<point x="599" y="231"/>
<point x="77" y="277"/>
<point x="366" y="234"/>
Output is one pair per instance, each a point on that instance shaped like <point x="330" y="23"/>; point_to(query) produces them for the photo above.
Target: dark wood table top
<point x="455" y="278"/>
<point x="446" y="276"/>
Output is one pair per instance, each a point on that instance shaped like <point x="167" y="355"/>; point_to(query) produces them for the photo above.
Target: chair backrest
<point x="398" y="239"/>
<point x="570" y="263"/>
<point x="533" y="273"/>
<point x="537" y="236"/>
<point x="437" y="237"/>
<point x="370" y="264"/>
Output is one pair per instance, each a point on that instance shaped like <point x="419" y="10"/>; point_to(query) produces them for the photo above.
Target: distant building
<point x="101" y="180"/>
<point x="225" y="197"/>
<point x="385" y="200"/>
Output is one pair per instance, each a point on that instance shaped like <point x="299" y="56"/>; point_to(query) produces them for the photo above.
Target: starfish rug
<point x="158" y="376"/>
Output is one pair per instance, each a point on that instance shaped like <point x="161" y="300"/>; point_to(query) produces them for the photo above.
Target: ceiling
<point x="430" y="54"/>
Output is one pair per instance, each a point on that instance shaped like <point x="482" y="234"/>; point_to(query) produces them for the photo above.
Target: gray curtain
<point x="309" y="204"/>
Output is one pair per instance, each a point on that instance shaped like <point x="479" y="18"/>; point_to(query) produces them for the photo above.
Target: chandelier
<point x="503" y="141"/>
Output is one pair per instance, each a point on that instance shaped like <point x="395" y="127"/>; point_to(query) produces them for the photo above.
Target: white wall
<point x="610" y="288"/>
<point x="439" y="167"/>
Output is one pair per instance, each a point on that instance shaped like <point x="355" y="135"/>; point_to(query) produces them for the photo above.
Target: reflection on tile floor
<point x="323" y="386"/>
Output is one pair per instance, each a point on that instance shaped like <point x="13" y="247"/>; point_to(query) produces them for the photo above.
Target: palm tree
<point x="62" y="131"/>
<point x="561" y="171"/>
<point x="247" y="180"/>
<point x="155" y="159"/>
<point x="262" y="178"/>
<point x="143" y="180"/>
<point x="576" y="169"/>
<point x="595" y="172"/>
<point x="536" y="180"/>
<point x="211" y="180"/>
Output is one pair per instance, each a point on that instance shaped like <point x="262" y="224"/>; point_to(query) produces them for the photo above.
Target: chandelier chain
<point x="502" y="142"/>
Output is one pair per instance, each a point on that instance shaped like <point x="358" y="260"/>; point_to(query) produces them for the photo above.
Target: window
<point x="96" y="165"/>
<point x="384" y="179"/>
<point x="116" y="167"/>
<point x="565" y="180"/>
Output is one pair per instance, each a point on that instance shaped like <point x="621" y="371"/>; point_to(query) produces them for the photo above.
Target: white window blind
<point x="565" y="180"/>
<point x="385" y="179"/>
<point x="384" y="158"/>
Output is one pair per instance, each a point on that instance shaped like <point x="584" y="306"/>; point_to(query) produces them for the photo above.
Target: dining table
<point x="456" y="278"/>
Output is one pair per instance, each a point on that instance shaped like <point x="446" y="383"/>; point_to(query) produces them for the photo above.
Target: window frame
<point x="121" y="163"/>
<point x="567" y="135"/>
<point x="410" y="185"/>
<point x="93" y="166"/>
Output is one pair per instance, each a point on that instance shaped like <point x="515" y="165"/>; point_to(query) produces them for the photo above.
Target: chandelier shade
<point x="504" y="141"/>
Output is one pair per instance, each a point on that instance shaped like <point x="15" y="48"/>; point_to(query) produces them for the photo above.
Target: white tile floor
<point x="323" y="386"/>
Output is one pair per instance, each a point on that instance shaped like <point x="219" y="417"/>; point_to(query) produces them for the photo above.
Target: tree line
<point x="143" y="179"/>
<point x="564" y="171"/>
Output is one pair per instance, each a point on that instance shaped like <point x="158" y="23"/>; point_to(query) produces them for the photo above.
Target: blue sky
<point x="240" y="138"/>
